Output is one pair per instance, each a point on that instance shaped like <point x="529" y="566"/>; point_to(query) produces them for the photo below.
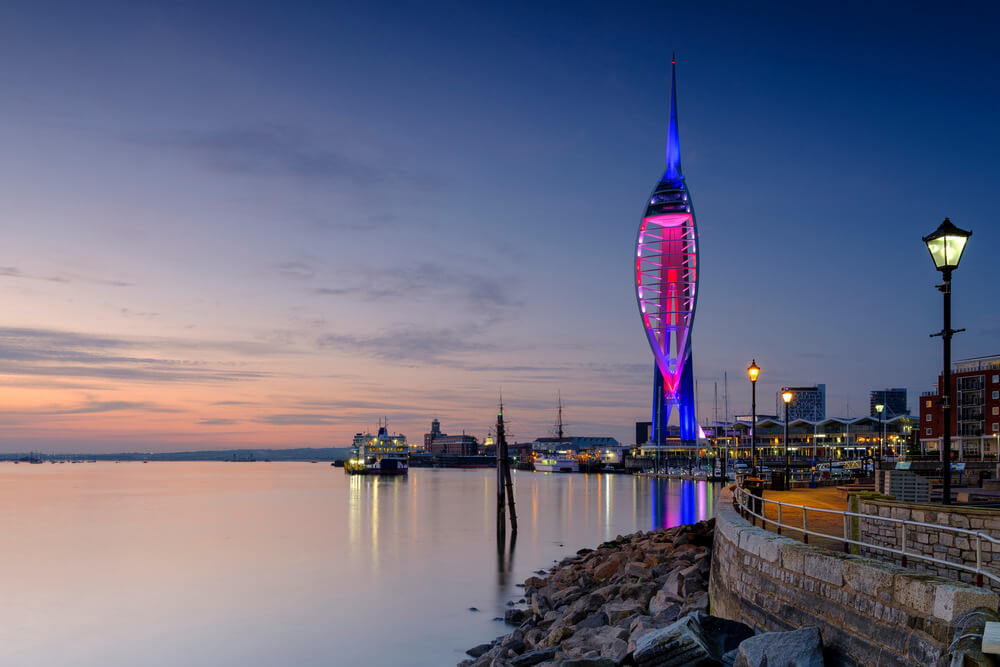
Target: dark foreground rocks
<point x="641" y="599"/>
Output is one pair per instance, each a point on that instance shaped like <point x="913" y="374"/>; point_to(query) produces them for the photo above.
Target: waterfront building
<point x="666" y="282"/>
<point x="807" y="403"/>
<point x="643" y="431"/>
<point x="894" y="401"/>
<point x="437" y="442"/>
<point x="975" y="415"/>
<point x="834" y="438"/>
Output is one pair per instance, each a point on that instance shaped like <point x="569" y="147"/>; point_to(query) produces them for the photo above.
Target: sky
<point x="272" y="225"/>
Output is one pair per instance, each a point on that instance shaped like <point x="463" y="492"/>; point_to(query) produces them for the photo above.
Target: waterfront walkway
<point x="823" y="498"/>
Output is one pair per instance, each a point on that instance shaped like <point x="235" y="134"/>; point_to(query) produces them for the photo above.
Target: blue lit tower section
<point x="666" y="285"/>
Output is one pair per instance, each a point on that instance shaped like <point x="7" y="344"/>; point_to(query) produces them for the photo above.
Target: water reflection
<point x="321" y="567"/>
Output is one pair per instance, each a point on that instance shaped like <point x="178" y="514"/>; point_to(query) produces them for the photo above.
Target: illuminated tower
<point x="666" y="286"/>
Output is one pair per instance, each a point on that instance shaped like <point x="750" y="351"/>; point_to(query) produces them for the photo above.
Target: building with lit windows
<point x="894" y="401"/>
<point x="807" y="403"/>
<point x="975" y="413"/>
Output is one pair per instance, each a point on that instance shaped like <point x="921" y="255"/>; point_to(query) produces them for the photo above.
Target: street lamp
<point x="879" y="407"/>
<point x="946" y="245"/>
<point x="753" y="371"/>
<point x="787" y="396"/>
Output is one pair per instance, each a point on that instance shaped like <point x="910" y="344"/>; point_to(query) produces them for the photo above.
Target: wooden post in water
<point x="505" y="485"/>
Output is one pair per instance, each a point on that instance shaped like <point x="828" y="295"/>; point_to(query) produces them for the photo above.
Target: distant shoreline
<point x="238" y="455"/>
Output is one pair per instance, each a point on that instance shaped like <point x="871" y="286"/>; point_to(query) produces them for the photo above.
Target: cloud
<point x="288" y="152"/>
<point x="128" y="312"/>
<point x="295" y="270"/>
<point x="15" y="272"/>
<point x="217" y="422"/>
<point x="410" y="344"/>
<point x="297" y="419"/>
<point x="426" y="280"/>
<point x="55" y="353"/>
<point x="95" y="407"/>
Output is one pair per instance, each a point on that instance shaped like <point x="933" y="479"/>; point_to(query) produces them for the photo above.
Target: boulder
<point x="587" y="662"/>
<point x="620" y="609"/>
<point x="798" y="648"/>
<point x="596" y="620"/>
<point x="680" y="643"/>
<point x="477" y="651"/>
<point x="534" y="657"/>
<point x="664" y="605"/>
<point x="615" y="650"/>
<point x="515" y="616"/>
<point x="638" y="570"/>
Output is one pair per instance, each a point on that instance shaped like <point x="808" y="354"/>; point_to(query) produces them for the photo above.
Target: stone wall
<point x="928" y="541"/>
<point x="869" y="613"/>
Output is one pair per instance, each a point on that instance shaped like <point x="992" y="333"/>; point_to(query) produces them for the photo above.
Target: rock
<point x="566" y="595"/>
<point x="556" y="635"/>
<point x="643" y="625"/>
<point x="534" y="657"/>
<point x="615" y="651"/>
<point x="663" y="604"/>
<point x="680" y="643"/>
<point x="515" y="616"/>
<point x="637" y="569"/>
<point x="696" y="603"/>
<point x="477" y="651"/>
<point x="619" y="609"/>
<point x="609" y="567"/>
<point x="587" y="662"/>
<point x="584" y="552"/>
<point x="798" y="648"/>
<point x="596" y="620"/>
<point x="473" y="609"/>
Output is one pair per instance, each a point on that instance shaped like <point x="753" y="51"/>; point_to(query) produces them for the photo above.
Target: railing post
<point x="979" y="560"/>
<point x="847" y="533"/>
<point x="805" y="535"/>
<point x="779" y="517"/>
<point x="903" y="544"/>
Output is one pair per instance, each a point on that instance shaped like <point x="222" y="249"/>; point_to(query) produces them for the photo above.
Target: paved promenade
<point x="825" y="498"/>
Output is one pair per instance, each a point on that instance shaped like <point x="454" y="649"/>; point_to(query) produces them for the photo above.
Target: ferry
<point x="383" y="454"/>
<point x="557" y="463"/>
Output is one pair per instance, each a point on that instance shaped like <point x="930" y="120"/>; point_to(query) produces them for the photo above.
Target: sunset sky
<point x="273" y="226"/>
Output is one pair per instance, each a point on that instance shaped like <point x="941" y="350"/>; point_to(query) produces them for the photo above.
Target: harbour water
<point x="288" y="563"/>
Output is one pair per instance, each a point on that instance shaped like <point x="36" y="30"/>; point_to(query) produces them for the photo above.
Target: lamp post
<point x="946" y="245"/>
<point x="787" y="396"/>
<point x="881" y="445"/>
<point x="753" y="371"/>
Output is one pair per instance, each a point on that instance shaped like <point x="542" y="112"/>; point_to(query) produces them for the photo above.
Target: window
<point x="928" y="404"/>
<point x="996" y="411"/>
<point x="996" y="378"/>
<point x="927" y="417"/>
<point x="996" y="427"/>
<point x="927" y="431"/>
<point x="996" y="394"/>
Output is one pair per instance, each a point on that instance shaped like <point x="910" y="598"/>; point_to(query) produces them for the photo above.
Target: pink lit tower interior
<point x="666" y="287"/>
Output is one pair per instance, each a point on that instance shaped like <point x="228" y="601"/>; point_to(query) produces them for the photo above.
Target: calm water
<point x="286" y="563"/>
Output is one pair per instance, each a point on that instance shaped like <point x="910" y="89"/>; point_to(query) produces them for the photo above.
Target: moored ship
<point x="557" y="463"/>
<point x="383" y="454"/>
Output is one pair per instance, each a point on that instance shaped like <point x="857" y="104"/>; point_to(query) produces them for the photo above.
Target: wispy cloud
<point x="297" y="419"/>
<point x="289" y="152"/>
<point x="426" y="280"/>
<point x="411" y="344"/>
<point x="216" y="422"/>
<point x="15" y="272"/>
<point x="54" y="353"/>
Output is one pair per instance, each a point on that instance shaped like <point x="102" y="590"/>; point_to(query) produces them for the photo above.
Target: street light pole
<point x="786" y="396"/>
<point x="946" y="245"/>
<point x="753" y="371"/>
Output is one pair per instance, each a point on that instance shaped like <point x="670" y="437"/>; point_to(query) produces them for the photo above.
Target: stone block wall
<point x="932" y="542"/>
<point x="870" y="613"/>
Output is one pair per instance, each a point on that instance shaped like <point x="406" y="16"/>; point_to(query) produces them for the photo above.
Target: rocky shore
<point x="640" y="599"/>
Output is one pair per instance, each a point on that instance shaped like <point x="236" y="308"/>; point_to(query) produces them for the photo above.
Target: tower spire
<point x="673" y="138"/>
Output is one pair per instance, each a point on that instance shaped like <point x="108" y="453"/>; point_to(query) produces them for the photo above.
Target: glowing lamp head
<point x="787" y="396"/>
<point x="946" y="245"/>
<point x="753" y="371"/>
<point x="879" y="408"/>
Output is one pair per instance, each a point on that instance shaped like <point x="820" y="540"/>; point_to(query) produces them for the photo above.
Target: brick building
<point x="975" y="413"/>
<point x="437" y="442"/>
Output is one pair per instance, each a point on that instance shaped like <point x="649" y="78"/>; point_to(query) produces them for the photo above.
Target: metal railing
<point x="746" y="503"/>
